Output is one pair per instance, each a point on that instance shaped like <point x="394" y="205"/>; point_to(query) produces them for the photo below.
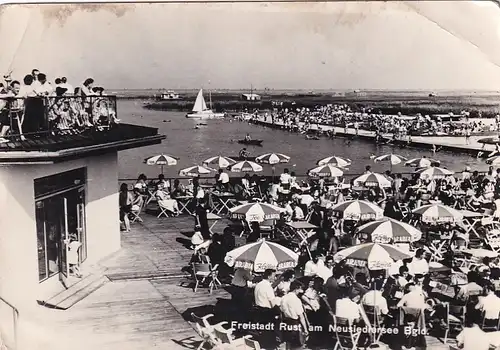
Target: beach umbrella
<point x="489" y="140"/>
<point x="393" y="159"/>
<point x="161" y="160"/>
<point x="256" y="212"/>
<point x="438" y="213"/>
<point x="260" y="256"/>
<point x="374" y="256"/>
<point x="372" y="180"/>
<point x="358" y="210"/>
<point x="386" y="230"/>
<point x="434" y="173"/>
<point x="422" y="162"/>
<point x="335" y="161"/>
<point x="196" y="170"/>
<point x="272" y="158"/>
<point x="245" y="167"/>
<point x="218" y="162"/>
<point x="327" y="170"/>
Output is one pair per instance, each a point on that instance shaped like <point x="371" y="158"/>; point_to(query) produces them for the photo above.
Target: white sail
<point x="200" y="104"/>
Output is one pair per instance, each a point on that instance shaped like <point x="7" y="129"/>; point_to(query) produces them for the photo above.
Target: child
<point x="197" y="238"/>
<point x="73" y="257"/>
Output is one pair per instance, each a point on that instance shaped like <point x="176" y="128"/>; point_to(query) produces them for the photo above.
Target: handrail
<point x="15" y="317"/>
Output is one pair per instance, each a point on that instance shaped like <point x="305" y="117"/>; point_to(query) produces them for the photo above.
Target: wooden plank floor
<point x="144" y="306"/>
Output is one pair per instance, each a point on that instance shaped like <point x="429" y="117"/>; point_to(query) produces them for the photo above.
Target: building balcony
<point x="53" y="129"/>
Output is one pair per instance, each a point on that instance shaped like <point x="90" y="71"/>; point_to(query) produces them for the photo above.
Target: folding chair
<point x="205" y="330"/>
<point x="136" y="214"/>
<point x="203" y="273"/>
<point x="489" y="324"/>
<point x="226" y="340"/>
<point x="164" y="211"/>
<point x="453" y="322"/>
<point x="345" y="340"/>
<point x="374" y="317"/>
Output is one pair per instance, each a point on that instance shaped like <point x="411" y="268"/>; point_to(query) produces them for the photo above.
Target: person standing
<point x="125" y="201"/>
<point x="296" y="329"/>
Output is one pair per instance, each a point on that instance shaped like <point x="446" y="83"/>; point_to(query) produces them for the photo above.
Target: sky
<point x="365" y="45"/>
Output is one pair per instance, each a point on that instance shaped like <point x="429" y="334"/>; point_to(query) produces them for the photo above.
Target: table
<point x="214" y="218"/>
<point x="223" y="202"/>
<point x="304" y="230"/>
<point x="184" y="202"/>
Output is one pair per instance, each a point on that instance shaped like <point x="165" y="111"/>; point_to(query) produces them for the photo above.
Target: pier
<point x="456" y="144"/>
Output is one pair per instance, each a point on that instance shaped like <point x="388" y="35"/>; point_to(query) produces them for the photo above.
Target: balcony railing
<point x="33" y="117"/>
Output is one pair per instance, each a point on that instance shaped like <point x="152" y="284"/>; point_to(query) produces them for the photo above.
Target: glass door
<point x="64" y="244"/>
<point x="80" y="224"/>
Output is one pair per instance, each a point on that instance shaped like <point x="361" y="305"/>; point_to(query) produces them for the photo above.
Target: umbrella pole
<point x="162" y="169"/>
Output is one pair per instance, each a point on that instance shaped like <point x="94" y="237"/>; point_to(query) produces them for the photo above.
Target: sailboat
<point x="201" y="111"/>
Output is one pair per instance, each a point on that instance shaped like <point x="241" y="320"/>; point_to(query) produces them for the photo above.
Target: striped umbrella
<point x="195" y="171"/>
<point x="161" y="159"/>
<point x="434" y="173"/>
<point x="372" y="180"/>
<point x="256" y="212"/>
<point x="387" y="229"/>
<point x="375" y="256"/>
<point x="335" y="161"/>
<point x="272" y="158"/>
<point x="260" y="256"/>
<point x="358" y="210"/>
<point x="327" y="170"/>
<point x="218" y="162"/>
<point x="393" y="159"/>
<point x="245" y="167"/>
<point x="422" y="162"/>
<point x="438" y="213"/>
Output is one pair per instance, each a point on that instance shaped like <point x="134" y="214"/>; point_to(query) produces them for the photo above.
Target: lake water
<point x="193" y="146"/>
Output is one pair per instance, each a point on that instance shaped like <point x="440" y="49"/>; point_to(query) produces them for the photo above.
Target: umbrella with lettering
<point x="339" y="162"/>
<point x="218" y="162"/>
<point x="358" y="210"/>
<point x="245" y="166"/>
<point x="386" y="230"/>
<point x="434" y="173"/>
<point x="161" y="160"/>
<point x="374" y="256"/>
<point x="195" y="171"/>
<point x="327" y="170"/>
<point x="256" y="212"/>
<point x="372" y="180"/>
<point x="260" y="256"/>
<point x="272" y="158"/>
<point x="438" y="213"/>
<point x="489" y="140"/>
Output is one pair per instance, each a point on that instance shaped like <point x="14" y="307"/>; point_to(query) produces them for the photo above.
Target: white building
<point x="53" y="186"/>
<point x="250" y="97"/>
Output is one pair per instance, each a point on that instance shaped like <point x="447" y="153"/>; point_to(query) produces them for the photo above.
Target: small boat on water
<point x="312" y="137"/>
<point x="201" y="111"/>
<point x="251" y="142"/>
<point x="201" y="124"/>
<point x="169" y="95"/>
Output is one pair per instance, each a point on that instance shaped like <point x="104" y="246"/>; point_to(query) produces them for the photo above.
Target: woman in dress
<point x="125" y="201"/>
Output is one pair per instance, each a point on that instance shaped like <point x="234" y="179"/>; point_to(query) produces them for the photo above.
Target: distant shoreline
<point x="407" y="104"/>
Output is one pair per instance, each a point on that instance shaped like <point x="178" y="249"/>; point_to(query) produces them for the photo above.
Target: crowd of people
<point x="331" y="292"/>
<point x="401" y="126"/>
<point x="37" y="105"/>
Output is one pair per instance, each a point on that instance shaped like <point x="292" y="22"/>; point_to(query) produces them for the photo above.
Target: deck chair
<point x="226" y="340"/>
<point x="165" y="211"/>
<point x="374" y="317"/>
<point x="203" y="273"/>
<point x="135" y="215"/>
<point x="346" y="340"/>
<point x="205" y="330"/>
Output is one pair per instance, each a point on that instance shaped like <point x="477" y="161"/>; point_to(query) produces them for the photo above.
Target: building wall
<point x="18" y="242"/>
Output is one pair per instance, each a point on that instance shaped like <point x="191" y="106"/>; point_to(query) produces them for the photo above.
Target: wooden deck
<point x="144" y="305"/>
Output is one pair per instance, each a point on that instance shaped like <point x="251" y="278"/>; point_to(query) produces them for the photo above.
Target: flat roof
<point x="70" y="144"/>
